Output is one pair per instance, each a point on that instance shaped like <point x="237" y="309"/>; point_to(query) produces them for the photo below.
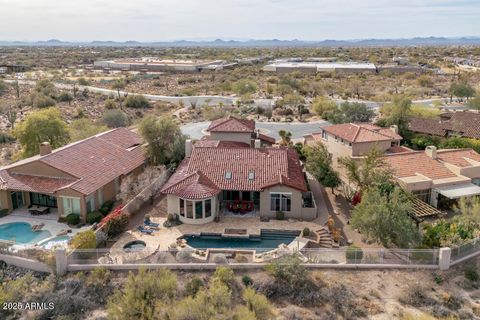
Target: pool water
<point x="59" y="241"/>
<point x="267" y="240"/>
<point x="136" y="245"/>
<point x="21" y="232"/>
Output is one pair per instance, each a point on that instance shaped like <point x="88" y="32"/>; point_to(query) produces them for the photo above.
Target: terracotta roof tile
<point x="361" y="132"/>
<point x="271" y="166"/>
<point x="231" y="124"/>
<point x="12" y="181"/>
<point x="410" y="164"/>
<point x="459" y="157"/>
<point x="464" y="123"/>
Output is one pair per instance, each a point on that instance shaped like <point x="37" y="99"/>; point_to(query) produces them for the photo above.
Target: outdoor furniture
<point x="37" y="210"/>
<point x="151" y="224"/>
<point x="142" y="229"/>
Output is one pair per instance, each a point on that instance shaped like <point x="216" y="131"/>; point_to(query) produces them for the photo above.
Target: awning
<point x="458" y="191"/>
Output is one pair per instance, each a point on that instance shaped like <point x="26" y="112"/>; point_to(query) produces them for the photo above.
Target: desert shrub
<point x="291" y="280"/>
<point x="6" y="138"/>
<point x="220" y="258"/>
<point x="101" y="238"/>
<point x="239" y="258"/>
<point x="417" y="296"/>
<point x="116" y="225"/>
<point x="84" y="240"/>
<point x="136" y="102"/>
<point x="65" y="97"/>
<point x="83" y="82"/>
<point x="184" y="256"/>
<point x="110" y="104"/>
<point x="306" y="232"/>
<point x="247" y="280"/>
<point x="471" y="274"/>
<point x="280" y="215"/>
<point x="193" y="286"/>
<point x="115" y="118"/>
<point x="452" y="301"/>
<point x="73" y="219"/>
<point x="140" y="295"/>
<point x="97" y="284"/>
<point x="170" y="217"/>
<point x="225" y="276"/>
<point x="258" y="304"/>
<point x="15" y="290"/>
<point x="94" y="217"/>
<point x="354" y="254"/>
<point x="39" y="100"/>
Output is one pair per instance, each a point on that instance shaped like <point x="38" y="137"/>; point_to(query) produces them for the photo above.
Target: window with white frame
<point x="280" y="201"/>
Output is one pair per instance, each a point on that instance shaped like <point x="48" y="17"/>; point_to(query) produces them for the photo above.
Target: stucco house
<point x="438" y="177"/>
<point x="77" y="178"/>
<point x="228" y="173"/>
<point x="354" y="140"/>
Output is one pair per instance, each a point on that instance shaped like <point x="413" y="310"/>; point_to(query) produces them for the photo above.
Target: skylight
<point x="251" y="175"/>
<point x="228" y="175"/>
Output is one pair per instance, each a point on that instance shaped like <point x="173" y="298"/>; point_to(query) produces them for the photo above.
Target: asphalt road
<point x="298" y="129"/>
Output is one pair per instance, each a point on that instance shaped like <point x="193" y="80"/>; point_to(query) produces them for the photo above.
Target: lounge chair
<point x="151" y="224"/>
<point x="142" y="229"/>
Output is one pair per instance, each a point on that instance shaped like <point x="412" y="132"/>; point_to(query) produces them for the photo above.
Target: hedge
<point x="73" y="219"/>
<point x="94" y="217"/>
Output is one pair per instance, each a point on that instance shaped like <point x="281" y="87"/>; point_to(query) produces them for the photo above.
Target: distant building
<point x="152" y="64"/>
<point x="316" y="67"/>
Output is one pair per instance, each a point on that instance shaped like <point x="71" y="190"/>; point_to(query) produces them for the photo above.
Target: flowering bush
<point x="114" y="223"/>
<point x="357" y="198"/>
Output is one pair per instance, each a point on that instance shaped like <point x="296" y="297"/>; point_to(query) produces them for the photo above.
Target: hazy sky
<point x="156" y="20"/>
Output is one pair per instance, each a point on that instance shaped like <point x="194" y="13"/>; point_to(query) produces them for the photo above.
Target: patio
<point x="25" y="213"/>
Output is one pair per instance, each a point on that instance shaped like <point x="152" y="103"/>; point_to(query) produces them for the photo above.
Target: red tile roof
<point x="232" y="124"/>
<point x="459" y="157"/>
<point x="93" y="162"/>
<point x="266" y="138"/>
<point x="464" y="123"/>
<point x="12" y="181"/>
<point x="409" y="164"/>
<point x="206" y="143"/>
<point x="271" y="166"/>
<point x="361" y="132"/>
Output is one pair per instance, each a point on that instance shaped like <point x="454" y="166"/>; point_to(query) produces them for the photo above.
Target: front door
<point x="17" y="199"/>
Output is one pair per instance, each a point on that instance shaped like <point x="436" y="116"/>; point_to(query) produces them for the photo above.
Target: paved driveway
<point x="298" y="129"/>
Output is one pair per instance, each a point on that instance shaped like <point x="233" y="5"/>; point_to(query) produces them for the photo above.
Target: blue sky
<point x="158" y="20"/>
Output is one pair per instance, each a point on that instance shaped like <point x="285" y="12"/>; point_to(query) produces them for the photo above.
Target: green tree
<point x="370" y="171"/>
<point x="119" y="85"/>
<point x="322" y="105"/>
<point x="319" y="164"/>
<point x="83" y="128"/>
<point x="84" y="240"/>
<point x="475" y="102"/>
<point x="350" y="112"/>
<point x="385" y="217"/>
<point x="41" y="126"/>
<point x="286" y="137"/>
<point x="397" y="112"/>
<point x="258" y="304"/>
<point x="164" y="138"/>
<point x="143" y="295"/>
<point x="461" y="89"/>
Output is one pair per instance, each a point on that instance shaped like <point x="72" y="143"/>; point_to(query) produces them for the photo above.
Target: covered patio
<point x="446" y="196"/>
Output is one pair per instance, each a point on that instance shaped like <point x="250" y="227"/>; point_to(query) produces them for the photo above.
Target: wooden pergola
<point x="422" y="210"/>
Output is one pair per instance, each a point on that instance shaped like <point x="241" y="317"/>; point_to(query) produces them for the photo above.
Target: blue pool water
<point x="268" y="239"/>
<point x="21" y="232"/>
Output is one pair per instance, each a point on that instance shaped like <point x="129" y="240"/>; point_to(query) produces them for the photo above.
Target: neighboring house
<point x="237" y="130"/>
<point x="354" y="140"/>
<point x="77" y="178"/>
<point x="438" y="177"/>
<point x="223" y="176"/>
<point x="463" y="124"/>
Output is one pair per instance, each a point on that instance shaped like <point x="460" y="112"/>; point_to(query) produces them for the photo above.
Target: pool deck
<point x="164" y="237"/>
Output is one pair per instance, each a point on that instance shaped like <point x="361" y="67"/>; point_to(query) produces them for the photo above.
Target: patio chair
<point x="151" y="224"/>
<point x="142" y="229"/>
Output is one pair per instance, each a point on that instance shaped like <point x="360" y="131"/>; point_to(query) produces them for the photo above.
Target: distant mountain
<point x="427" y="41"/>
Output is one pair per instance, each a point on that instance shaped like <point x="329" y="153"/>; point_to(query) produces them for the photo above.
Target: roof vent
<point x="228" y="175"/>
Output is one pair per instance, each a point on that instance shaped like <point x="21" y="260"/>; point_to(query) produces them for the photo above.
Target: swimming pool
<point x="268" y="239"/>
<point x="21" y="232"/>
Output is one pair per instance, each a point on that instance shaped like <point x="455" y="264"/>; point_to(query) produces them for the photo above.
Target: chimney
<point x="431" y="151"/>
<point x="394" y="128"/>
<point x="188" y="148"/>
<point x="45" y="148"/>
<point x="258" y="143"/>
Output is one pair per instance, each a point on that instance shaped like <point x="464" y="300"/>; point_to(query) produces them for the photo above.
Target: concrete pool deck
<point x="164" y="237"/>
